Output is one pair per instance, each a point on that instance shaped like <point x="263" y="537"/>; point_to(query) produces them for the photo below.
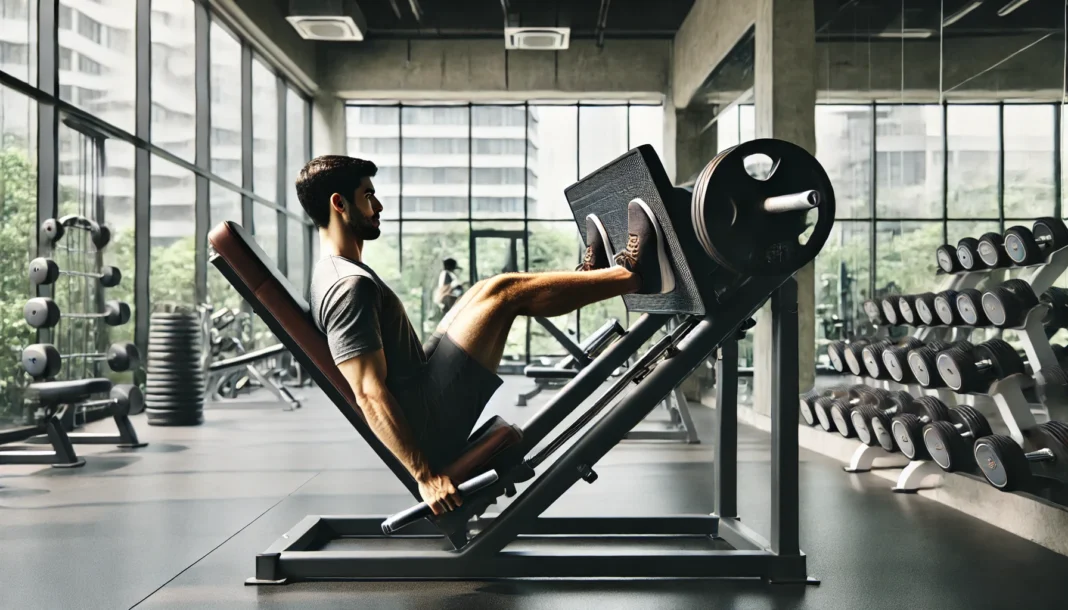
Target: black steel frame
<point x="733" y="551"/>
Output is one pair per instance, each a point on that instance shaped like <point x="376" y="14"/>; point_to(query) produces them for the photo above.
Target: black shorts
<point x="445" y="400"/>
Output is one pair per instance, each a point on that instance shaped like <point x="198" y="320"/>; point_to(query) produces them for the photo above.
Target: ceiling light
<point x="955" y="17"/>
<point x="537" y="39"/>
<point x="337" y="20"/>
<point x="1010" y="7"/>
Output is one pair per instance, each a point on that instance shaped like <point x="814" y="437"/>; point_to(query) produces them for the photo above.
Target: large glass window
<point x="374" y="134"/>
<point x="843" y="274"/>
<point x="552" y="129"/>
<point x="972" y="182"/>
<point x="647" y="127"/>
<point x="173" y="84"/>
<point x="264" y="131"/>
<point x="843" y="146"/>
<point x="437" y="169"/>
<point x="425" y="246"/>
<point x="295" y="248"/>
<point x="908" y="144"/>
<point x="297" y="152"/>
<point x="18" y="46"/>
<point x="18" y="228"/>
<point x="225" y="205"/>
<point x="602" y="136"/>
<point x="100" y="39"/>
<point x="172" y="230"/>
<point x="1029" y="138"/>
<point x="265" y="228"/>
<point x="225" y="104"/>
<point x="904" y="261"/>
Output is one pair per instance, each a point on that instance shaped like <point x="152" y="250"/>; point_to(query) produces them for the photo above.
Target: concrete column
<point x="328" y="125"/>
<point x="785" y="91"/>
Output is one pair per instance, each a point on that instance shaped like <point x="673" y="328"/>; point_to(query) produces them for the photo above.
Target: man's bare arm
<point x="366" y="375"/>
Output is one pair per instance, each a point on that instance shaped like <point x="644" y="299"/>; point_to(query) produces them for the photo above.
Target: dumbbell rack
<point x="1008" y="395"/>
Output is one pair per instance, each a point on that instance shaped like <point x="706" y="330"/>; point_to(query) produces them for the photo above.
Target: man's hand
<point x="439" y="492"/>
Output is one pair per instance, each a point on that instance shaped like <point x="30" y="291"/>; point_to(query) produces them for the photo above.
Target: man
<point x="423" y="401"/>
<point x="449" y="287"/>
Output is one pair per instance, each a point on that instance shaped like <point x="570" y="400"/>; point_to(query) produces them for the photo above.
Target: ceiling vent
<point x="336" y="20"/>
<point x="537" y="39"/>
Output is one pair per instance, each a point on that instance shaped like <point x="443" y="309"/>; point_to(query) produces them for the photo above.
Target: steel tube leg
<point x="726" y="457"/>
<point x="784" y="422"/>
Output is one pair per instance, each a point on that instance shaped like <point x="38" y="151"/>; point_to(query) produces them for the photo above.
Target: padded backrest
<point x="287" y="314"/>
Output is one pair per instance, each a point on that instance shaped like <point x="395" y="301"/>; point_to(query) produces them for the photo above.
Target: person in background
<point x="449" y="288"/>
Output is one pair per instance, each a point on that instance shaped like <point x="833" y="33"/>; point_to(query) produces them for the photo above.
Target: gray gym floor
<point x="177" y="524"/>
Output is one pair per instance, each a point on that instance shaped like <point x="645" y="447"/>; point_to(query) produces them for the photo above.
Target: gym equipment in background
<point x="43" y="312"/>
<point x="43" y="360"/>
<point x="175" y="380"/>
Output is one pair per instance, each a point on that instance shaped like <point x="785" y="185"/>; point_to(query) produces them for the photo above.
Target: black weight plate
<point x="836" y="354"/>
<point x="945" y="306"/>
<point x="924" y="369"/>
<point x="729" y="216"/>
<point x="174" y="386"/>
<point x="175" y="355"/>
<point x="932" y="408"/>
<point x="895" y="364"/>
<point x="861" y="418"/>
<point x="822" y="407"/>
<point x="175" y="419"/>
<point x="1023" y="291"/>
<point x="1002" y="462"/>
<point x="907" y="430"/>
<point x="174" y="404"/>
<point x="972" y="420"/>
<point x="1058" y="430"/>
<point x="175" y="364"/>
<point x="908" y="313"/>
<point x="1021" y="246"/>
<point x="968" y="254"/>
<point x="992" y="250"/>
<point x="872" y="357"/>
<point x="946" y="446"/>
<point x="840" y="412"/>
<point x="1054" y="229"/>
<point x="1004" y="356"/>
<point x="969" y="306"/>
<point x="881" y="432"/>
<point x="890" y="311"/>
<point x="854" y="358"/>
<point x="925" y="309"/>
<point x="946" y="257"/>
<point x="191" y="397"/>
<point x="805" y="407"/>
<point x="958" y="370"/>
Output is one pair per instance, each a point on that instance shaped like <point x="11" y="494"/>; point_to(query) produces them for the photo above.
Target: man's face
<point x="361" y="214"/>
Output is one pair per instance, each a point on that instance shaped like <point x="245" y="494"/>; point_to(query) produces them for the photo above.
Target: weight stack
<point x="174" y="388"/>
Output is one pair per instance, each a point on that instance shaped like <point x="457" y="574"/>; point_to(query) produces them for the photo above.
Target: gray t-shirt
<point x="360" y="314"/>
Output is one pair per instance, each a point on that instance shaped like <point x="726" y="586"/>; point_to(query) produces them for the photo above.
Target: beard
<point x="363" y="228"/>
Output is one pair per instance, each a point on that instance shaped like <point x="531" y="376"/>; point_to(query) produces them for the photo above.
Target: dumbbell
<point x="124" y="400"/>
<point x="872" y="355"/>
<point x="43" y="360"/>
<point x="824" y="404"/>
<point x="1009" y="303"/>
<point x="47" y="271"/>
<point x="43" y="312"/>
<point x="808" y="401"/>
<point x="1029" y="246"/>
<point x="891" y="310"/>
<point x="842" y="408"/>
<point x="970" y="307"/>
<point x="946" y="256"/>
<point x="1008" y="468"/>
<point x="974" y="370"/>
<point x="905" y="430"/>
<point x="861" y="417"/>
<point x="968" y="254"/>
<point x="992" y="251"/>
<point x="1056" y="299"/>
<point x="945" y="308"/>
<point x="949" y="442"/>
<point x="924" y="306"/>
<point x="905" y="306"/>
<point x="53" y="229"/>
<point x="846" y="356"/>
<point x="924" y="366"/>
<point x="896" y="359"/>
<point x="874" y="311"/>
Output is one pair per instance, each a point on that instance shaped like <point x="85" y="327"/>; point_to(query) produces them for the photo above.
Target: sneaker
<point x="598" y="251"/>
<point x="646" y="252"/>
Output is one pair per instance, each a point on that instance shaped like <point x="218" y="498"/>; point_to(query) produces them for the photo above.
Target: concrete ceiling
<point x="838" y="19"/>
<point x="392" y="19"/>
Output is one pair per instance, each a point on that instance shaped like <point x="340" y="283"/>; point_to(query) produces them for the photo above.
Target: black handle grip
<point x="421" y="510"/>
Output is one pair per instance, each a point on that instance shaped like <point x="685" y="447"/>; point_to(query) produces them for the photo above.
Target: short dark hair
<point x="328" y="174"/>
<point x="449" y="264"/>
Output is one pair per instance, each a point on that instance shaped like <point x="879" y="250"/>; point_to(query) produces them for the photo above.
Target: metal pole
<point x="726" y="458"/>
<point x="784" y="413"/>
<point x="202" y="216"/>
<point x="143" y="177"/>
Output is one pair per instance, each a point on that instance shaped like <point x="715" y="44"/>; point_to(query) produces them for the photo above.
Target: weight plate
<point x="895" y="364"/>
<point x="1002" y="462"/>
<point x="854" y="358"/>
<point x="890" y="311"/>
<point x="860" y="418"/>
<point x="1023" y="292"/>
<point x="731" y="212"/>
<point x="874" y="312"/>
<point x="836" y="354"/>
<point x="1053" y="229"/>
<point x="173" y="405"/>
<point x="840" y="414"/>
<point x="946" y="257"/>
<point x="880" y="430"/>
<point x="958" y="369"/>
<point x="945" y="306"/>
<point x="992" y="250"/>
<point x="972" y="420"/>
<point x="806" y="408"/>
<point x="872" y="358"/>
<point x="932" y="408"/>
<point x="923" y="367"/>
<point x="924" y="305"/>
<point x="1058" y="431"/>
<point x="822" y="407"/>
<point x="1006" y="359"/>
<point x="1021" y="246"/>
<point x="908" y="314"/>
<point x="175" y="419"/>
<point x="908" y="434"/>
<point x="968" y="254"/>
<point x="970" y="309"/>
<point x="946" y="446"/>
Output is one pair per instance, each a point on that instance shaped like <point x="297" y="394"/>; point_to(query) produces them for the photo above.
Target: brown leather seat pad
<point x="277" y="297"/>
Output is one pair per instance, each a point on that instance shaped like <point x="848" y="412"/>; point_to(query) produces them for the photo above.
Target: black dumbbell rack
<point x="1009" y="395"/>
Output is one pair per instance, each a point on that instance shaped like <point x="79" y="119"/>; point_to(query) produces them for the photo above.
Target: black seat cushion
<point x="60" y="392"/>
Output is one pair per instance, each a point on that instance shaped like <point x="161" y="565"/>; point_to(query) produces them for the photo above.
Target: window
<point x="225" y="205"/>
<point x="225" y="53"/>
<point x="843" y="147"/>
<point x="498" y="116"/>
<point x="297" y="154"/>
<point x="973" y="161"/>
<point x="498" y="175"/>
<point x="602" y="136"/>
<point x="497" y="146"/>
<point x="295" y="249"/>
<point x="842" y="280"/>
<point x="264" y="131"/>
<point x="555" y="129"/>
<point x="172" y="230"/>
<point x="374" y="134"/>
<point x="66" y="59"/>
<point x="100" y="81"/>
<point x="909" y="161"/>
<point x="727" y="134"/>
<point x="904" y="256"/>
<point x="1029" y="138"/>
<point x="265" y="228"/>
<point x="18" y="50"/>
<point x="647" y="127"/>
<point x="18" y="222"/>
<point x="173" y="83"/>
<point x="434" y="154"/>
